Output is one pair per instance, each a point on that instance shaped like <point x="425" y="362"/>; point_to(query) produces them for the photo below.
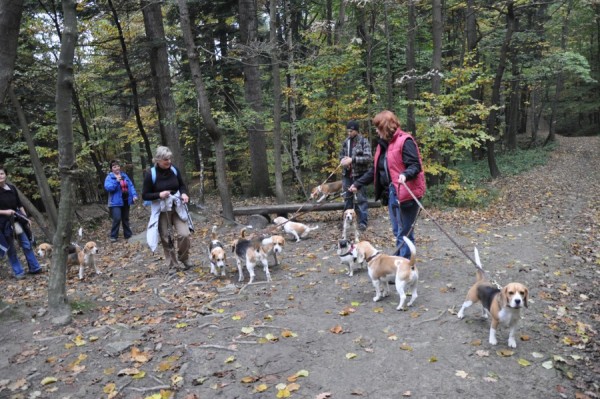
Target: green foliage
<point x="452" y="123"/>
<point x="469" y="186"/>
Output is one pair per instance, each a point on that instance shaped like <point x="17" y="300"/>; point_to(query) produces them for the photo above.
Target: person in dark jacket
<point x="164" y="186"/>
<point x="355" y="157"/>
<point x="121" y="195"/>
<point x="397" y="161"/>
<point x="11" y="209"/>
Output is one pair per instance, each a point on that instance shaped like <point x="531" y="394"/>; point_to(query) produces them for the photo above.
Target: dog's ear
<point x="526" y="296"/>
<point x="505" y="297"/>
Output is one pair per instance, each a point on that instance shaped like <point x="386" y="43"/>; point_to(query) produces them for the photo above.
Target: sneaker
<point x="362" y="227"/>
<point x="20" y="276"/>
<point x="38" y="271"/>
<point x="113" y="239"/>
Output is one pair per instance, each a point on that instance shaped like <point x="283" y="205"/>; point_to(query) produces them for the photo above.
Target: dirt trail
<point x="315" y="323"/>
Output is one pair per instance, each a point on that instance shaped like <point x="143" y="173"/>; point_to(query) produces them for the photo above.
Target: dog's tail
<point x="413" y="251"/>
<point x="313" y="228"/>
<point x="213" y="234"/>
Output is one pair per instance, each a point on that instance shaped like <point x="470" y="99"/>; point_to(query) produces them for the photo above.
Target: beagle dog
<point x="298" y="230"/>
<point x="348" y="254"/>
<point x="350" y="221"/>
<point x="76" y="256"/>
<point x="382" y="268"/>
<point x="252" y="253"/>
<point x="84" y="257"/>
<point x="273" y="245"/>
<point x="216" y="254"/>
<point x="504" y="305"/>
<point x="326" y="190"/>
<point x="44" y="250"/>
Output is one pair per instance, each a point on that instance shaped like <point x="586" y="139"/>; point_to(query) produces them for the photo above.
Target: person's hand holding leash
<point x="352" y="189"/>
<point x="401" y="179"/>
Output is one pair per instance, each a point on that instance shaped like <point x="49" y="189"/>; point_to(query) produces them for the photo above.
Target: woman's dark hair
<point x="4" y="169"/>
<point x="114" y="162"/>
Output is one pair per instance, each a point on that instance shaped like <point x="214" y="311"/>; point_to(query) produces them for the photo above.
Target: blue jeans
<point x="358" y="201"/>
<point x="120" y="215"/>
<point x="402" y="219"/>
<point x="13" y="259"/>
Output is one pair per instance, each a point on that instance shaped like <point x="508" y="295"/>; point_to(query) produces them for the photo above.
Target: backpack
<point x="153" y="172"/>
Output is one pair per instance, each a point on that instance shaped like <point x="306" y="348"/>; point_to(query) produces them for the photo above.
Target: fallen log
<point x="280" y="209"/>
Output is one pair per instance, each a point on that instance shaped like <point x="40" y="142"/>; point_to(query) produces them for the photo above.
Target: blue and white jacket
<point x="113" y="187"/>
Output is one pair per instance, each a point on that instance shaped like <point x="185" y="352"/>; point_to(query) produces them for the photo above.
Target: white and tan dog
<point x="298" y="230"/>
<point x="77" y="256"/>
<point x="350" y="222"/>
<point x="382" y="268"/>
<point x="348" y="255"/>
<point x="273" y="245"/>
<point x="504" y="305"/>
<point x="216" y="254"/>
<point x="252" y="253"/>
<point x="325" y="190"/>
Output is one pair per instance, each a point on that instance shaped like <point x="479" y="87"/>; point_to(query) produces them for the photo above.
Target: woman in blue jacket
<point x="121" y="194"/>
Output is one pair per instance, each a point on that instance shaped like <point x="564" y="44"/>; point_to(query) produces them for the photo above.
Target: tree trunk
<point x="132" y="84"/>
<point x="277" y="147"/>
<point x="57" y="295"/>
<point x="411" y="92"/>
<point x="559" y="77"/>
<point x="294" y="151"/>
<point x="161" y="79"/>
<point x="389" y="78"/>
<point x="10" y="21"/>
<point x="204" y="108"/>
<point x="436" y="61"/>
<point x="259" y="175"/>
<point x="492" y="123"/>
<point x="38" y="168"/>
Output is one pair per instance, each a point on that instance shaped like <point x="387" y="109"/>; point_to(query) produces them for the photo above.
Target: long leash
<point x="477" y="264"/>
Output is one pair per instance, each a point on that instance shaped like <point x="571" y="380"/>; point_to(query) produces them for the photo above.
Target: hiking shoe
<point x="113" y="239"/>
<point x="187" y="264"/>
<point x="20" y="276"/>
<point x="38" y="271"/>
<point x="362" y="227"/>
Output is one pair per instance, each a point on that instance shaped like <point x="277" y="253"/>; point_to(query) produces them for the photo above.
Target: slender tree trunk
<point x="253" y="93"/>
<point x="276" y="71"/>
<point x="437" y="31"/>
<point x="161" y="79"/>
<point x="492" y="123"/>
<point x="512" y="116"/>
<point x="10" y="21"/>
<point x="57" y="295"/>
<point x="47" y="224"/>
<point x="389" y="78"/>
<point x="295" y="151"/>
<point x="411" y="91"/>
<point x="204" y="108"/>
<point x="559" y="77"/>
<point x="132" y="83"/>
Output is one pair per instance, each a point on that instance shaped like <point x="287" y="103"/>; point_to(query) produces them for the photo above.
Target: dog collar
<point x="349" y="251"/>
<point x="370" y="258"/>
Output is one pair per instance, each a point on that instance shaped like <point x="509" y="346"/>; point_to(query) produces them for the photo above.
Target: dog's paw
<point x="494" y="341"/>
<point x="512" y="343"/>
<point x="376" y="298"/>
<point x="400" y="307"/>
<point x="460" y="315"/>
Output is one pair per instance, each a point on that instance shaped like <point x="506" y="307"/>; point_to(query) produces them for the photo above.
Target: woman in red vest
<point x="397" y="160"/>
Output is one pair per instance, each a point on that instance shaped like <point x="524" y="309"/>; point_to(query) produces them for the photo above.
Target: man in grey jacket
<point x="356" y="158"/>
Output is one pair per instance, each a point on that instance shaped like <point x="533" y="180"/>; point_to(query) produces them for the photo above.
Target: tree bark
<point x="259" y="176"/>
<point x="276" y="71"/>
<point x="161" y="79"/>
<point x="436" y="61"/>
<point x="411" y="92"/>
<point x="57" y="295"/>
<point x="10" y="21"/>
<point x="132" y="84"/>
<point x="49" y="225"/>
<point x="492" y="123"/>
<point x="204" y="108"/>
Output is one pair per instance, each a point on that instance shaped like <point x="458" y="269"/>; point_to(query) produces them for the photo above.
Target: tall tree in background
<point x="161" y="79"/>
<point x="276" y="71"/>
<point x="10" y="21"/>
<point x="253" y="93"/>
<point x="204" y="108"/>
<point x="411" y="85"/>
<point x="57" y="295"/>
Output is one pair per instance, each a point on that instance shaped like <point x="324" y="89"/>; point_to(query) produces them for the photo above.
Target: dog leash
<point x="440" y="227"/>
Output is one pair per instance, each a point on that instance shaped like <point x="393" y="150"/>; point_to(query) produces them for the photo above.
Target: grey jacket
<point x="362" y="158"/>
